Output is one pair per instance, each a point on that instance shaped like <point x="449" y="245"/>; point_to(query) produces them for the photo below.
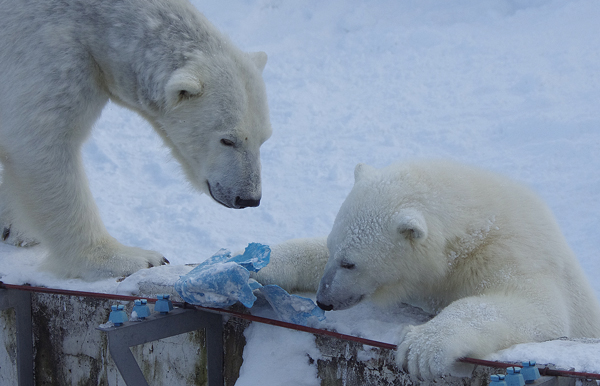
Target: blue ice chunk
<point x="254" y="284"/>
<point x="221" y="256"/>
<point x="219" y="285"/>
<point x="292" y="308"/>
<point x="255" y="257"/>
<point x="223" y="280"/>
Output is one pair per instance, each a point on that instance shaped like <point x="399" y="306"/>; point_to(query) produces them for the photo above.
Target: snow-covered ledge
<point x="70" y="350"/>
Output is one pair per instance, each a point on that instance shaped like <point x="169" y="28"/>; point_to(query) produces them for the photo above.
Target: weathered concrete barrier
<point x="69" y="350"/>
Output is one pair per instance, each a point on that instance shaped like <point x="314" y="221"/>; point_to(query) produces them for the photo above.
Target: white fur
<point x="479" y="250"/>
<point x="61" y="61"/>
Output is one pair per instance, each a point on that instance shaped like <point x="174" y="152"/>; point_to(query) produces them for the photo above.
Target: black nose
<point x="324" y="307"/>
<point x="241" y="203"/>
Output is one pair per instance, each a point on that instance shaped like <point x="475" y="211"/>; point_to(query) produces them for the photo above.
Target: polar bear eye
<point x="227" y="142"/>
<point x="347" y="265"/>
<point x="183" y="95"/>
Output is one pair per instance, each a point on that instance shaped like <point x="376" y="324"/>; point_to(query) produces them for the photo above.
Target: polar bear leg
<point x="11" y="229"/>
<point x="474" y="327"/>
<point x="49" y="188"/>
<point x="296" y="265"/>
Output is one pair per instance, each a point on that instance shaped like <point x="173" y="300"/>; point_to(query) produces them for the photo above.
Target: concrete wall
<point x="8" y="348"/>
<point x="69" y="350"/>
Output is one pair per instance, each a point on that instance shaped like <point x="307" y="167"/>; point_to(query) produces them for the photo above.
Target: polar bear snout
<point x="324" y="307"/>
<point x="328" y="303"/>
<point x="238" y="202"/>
<point x="241" y="203"/>
<point x="333" y="294"/>
<point x="232" y="200"/>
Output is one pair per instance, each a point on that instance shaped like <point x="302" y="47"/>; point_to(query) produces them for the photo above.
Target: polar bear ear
<point x="411" y="224"/>
<point x="362" y="171"/>
<point x="183" y="85"/>
<point x="259" y="59"/>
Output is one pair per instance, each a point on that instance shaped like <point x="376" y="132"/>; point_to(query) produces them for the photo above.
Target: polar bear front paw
<point x="11" y="235"/>
<point x="426" y="353"/>
<point x="108" y="258"/>
<point x="123" y="260"/>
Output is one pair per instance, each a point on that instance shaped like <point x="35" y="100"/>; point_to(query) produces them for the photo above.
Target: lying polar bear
<point x="480" y="251"/>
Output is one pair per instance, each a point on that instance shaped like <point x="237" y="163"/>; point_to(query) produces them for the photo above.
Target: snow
<point x="510" y="86"/>
<point x="579" y="354"/>
<point x="293" y="364"/>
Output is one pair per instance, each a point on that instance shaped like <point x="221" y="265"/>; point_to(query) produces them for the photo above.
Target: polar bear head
<point x="382" y="242"/>
<point x="214" y="119"/>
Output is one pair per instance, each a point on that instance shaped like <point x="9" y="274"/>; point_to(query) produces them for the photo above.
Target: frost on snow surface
<point x="223" y="280"/>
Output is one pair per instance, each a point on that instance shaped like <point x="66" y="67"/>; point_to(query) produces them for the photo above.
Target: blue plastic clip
<point x="514" y="377"/>
<point x="141" y="308"/>
<point x="117" y="315"/>
<point x="163" y="304"/>
<point x="497" y="380"/>
<point x="530" y="372"/>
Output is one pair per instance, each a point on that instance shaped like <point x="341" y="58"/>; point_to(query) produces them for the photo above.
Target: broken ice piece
<point x="254" y="284"/>
<point x="255" y="257"/>
<point x="292" y="308"/>
<point x="216" y="285"/>
<point x="221" y="256"/>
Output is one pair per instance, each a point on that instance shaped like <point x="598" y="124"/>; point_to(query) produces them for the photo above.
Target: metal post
<point x="178" y="321"/>
<point x="214" y="348"/>
<point x="21" y="302"/>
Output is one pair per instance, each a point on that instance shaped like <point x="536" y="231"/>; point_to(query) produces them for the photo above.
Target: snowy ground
<point x="510" y="86"/>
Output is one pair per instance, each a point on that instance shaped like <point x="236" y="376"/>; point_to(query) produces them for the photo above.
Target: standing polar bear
<point x="481" y="252"/>
<point x="62" y="60"/>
